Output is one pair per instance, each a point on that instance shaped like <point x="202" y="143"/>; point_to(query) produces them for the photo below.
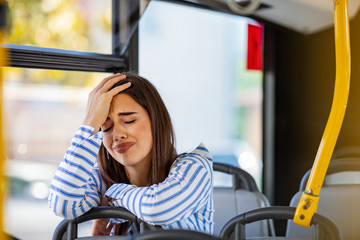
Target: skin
<point x="128" y="122"/>
<point x="100" y="226"/>
<point x="99" y="100"/>
<point x="122" y="120"/>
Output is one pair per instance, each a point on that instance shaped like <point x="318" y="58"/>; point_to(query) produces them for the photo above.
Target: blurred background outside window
<point x="80" y="25"/>
<point x="207" y="67"/>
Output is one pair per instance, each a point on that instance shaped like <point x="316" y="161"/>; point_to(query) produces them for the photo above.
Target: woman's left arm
<point x="186" y="190"/>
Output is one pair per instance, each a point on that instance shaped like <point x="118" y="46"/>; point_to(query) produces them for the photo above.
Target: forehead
<point x="125" y="103"/>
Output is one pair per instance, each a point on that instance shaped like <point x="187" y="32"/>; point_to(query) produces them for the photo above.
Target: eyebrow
<point x="126" y="113"/>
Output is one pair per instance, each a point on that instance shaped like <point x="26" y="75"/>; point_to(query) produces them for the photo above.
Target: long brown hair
<point x="163" y="151"/>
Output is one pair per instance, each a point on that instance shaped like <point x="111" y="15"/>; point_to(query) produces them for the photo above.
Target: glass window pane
<point x="82" y="25"/>
<point x="42" y="110"/>
<point x="210" y="77"/>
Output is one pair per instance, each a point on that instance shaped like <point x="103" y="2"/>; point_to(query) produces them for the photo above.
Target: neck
<point x="138" y="175"/>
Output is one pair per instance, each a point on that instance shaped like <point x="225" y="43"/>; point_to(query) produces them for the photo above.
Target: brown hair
<point x="163" y="151"/>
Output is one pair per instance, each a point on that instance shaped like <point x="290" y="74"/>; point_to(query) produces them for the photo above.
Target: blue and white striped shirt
<point x="183" y="201"/>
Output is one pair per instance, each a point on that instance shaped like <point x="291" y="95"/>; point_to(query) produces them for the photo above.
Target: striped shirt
<point x="183" y="201"/>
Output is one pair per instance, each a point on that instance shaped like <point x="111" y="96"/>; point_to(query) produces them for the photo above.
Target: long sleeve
<point x="185" y="195"/>
<point x="77" y="185"/>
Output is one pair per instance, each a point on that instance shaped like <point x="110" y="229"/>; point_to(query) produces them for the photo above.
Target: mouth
<point x="123" y="147"/>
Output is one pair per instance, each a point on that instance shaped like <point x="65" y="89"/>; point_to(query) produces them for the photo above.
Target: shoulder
<point x="199" y="156"/>
<point x="202" y="151"/>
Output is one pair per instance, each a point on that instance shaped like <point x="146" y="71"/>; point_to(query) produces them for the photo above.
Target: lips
<point x="123" y="147"/>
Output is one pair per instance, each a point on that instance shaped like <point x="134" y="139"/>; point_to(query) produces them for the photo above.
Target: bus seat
<point x="338" y="200"/>
<point x="241" y="197"/>
<point x="325" y="228"/>
<point x="352" y="151"/>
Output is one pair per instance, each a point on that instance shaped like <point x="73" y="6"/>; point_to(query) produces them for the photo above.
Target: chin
<point x="125" y="161"/>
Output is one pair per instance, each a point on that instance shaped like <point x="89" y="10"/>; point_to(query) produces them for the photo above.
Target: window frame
<point x="123" y="59"/>
<point x="125" y="43"/>
<point x="50" y="58"/>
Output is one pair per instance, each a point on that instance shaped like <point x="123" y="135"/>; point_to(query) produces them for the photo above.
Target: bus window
<point x="199" y="58"/>
<point x="195" y="56"/>
<point x="42" y="110"/>
<point x="70" y="24"/>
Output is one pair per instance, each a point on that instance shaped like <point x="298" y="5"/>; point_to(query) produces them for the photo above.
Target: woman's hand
<point x="99" y="100"/>
<point x="101" y="227"/>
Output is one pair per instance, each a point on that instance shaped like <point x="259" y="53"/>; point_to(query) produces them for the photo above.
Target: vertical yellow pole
<point x="310" y="198"/>
<point x="2" y="149"/>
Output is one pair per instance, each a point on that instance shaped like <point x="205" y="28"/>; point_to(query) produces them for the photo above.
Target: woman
<point x="124" y="155"/>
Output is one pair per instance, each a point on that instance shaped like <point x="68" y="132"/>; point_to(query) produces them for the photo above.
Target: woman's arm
<point x="186" y="190"/>
<point x="77" y="185"/>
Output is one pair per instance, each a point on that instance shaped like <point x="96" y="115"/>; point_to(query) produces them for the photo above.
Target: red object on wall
<point x="254" y="47"/>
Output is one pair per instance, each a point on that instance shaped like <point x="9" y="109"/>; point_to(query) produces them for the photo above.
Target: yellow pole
<point x="2" y="148"/>
<point x="310" y="198"/>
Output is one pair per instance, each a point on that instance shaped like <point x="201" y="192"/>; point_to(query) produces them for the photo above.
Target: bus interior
<point x="255" y="80"/>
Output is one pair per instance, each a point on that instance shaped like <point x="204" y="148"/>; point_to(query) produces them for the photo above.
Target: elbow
<point x="53" y="207"/>
<point x="65" y="213"/>
<point x="54" y="210"/>
<point x="59" y="214"/>
<point x="59" y="207"/>
<point x="51" y="203"/>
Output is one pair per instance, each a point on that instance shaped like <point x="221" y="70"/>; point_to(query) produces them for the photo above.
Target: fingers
<point x="105" y="80"/>
<point x="100" y="227"/>
<point x="100" y="99"/>
<point x="119" y="89"/>
<point x="110" y="82"/>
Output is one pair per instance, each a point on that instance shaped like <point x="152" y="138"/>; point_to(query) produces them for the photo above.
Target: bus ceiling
<point x="289" y="14"/>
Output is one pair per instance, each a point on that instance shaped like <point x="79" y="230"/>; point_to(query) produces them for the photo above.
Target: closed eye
<point x="108" y="124"/>
<point x="129" y="122"/>
<point x="106" y="130"/>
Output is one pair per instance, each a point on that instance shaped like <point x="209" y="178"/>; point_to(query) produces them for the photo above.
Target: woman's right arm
<point x="77" y="185"/>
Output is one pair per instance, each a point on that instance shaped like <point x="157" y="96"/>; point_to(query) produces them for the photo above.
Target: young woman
<point x="124" y="155"/>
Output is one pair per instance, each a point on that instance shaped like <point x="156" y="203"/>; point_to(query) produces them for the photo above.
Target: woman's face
<point x="127" y="132"/>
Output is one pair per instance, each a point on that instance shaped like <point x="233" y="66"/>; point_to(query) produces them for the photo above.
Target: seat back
<point x="325" y="228"/>
<point x="241" y="197"/>
<point x="338" y="200"/>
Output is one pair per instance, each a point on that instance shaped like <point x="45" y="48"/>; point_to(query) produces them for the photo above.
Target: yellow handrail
<point x="310" y="197"/>
<point x="2" y="150"/>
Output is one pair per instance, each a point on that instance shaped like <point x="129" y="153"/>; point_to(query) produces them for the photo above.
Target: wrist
<point x="96" y="127"/>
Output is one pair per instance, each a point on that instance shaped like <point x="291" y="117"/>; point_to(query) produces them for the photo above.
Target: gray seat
<point x="325" y="229"/>
<point x="243" y="196"/>
<point x="338" y="200"/>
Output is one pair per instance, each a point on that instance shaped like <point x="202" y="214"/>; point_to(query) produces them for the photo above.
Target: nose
<point x="119" y="132"/>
